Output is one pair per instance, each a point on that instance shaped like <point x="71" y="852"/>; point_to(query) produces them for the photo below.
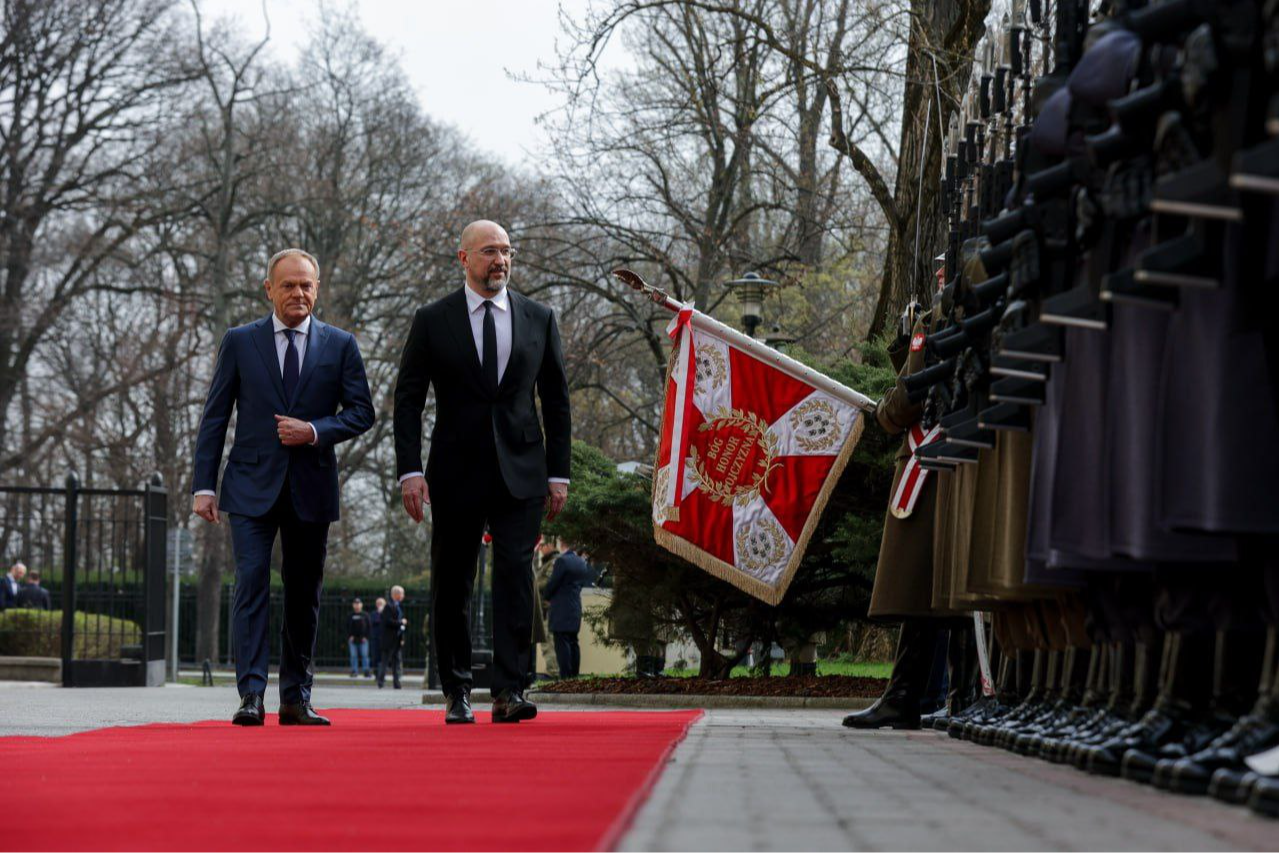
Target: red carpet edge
<point x="626" y="817"/>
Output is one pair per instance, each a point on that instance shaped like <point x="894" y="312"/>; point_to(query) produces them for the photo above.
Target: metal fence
<point x="100" y="554"/>
<point x="331" y="646"/>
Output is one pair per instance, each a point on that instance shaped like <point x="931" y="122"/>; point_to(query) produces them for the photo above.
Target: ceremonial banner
<point x="752" y="445"/>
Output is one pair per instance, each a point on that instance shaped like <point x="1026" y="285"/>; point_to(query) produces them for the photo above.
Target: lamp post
<point x="750" y="294"/>
<point x="776" y="338"/>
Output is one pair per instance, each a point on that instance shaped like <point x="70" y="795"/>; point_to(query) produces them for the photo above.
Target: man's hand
<point x="556" y="497"/>
<point x="293" y="432"/>
<point x="416" y="496"/>
<point x="206" y="506"/>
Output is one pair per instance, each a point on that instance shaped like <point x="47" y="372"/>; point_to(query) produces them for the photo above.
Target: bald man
<point x="488" y="351"/>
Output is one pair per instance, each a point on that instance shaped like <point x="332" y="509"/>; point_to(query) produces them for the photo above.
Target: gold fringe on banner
<point x="767" y="593"/>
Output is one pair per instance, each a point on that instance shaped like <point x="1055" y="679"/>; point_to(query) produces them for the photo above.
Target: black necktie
<point x="489" y="362"/>
<point x="290" y="366"/>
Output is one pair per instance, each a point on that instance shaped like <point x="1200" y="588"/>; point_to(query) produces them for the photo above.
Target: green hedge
<point x="38" y="633"/>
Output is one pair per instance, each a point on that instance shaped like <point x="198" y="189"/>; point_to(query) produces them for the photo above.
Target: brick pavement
<point x="751" y="780"/>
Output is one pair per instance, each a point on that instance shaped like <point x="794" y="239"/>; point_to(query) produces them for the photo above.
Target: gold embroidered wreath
<point x="753" y="426"/>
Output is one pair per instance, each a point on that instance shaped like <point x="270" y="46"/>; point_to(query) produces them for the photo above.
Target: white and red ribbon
<point x="681" y="327"/>
<point x="913" y="475"/>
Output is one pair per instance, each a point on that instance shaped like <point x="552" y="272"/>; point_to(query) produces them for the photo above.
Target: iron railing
<point x="101" y="556"/>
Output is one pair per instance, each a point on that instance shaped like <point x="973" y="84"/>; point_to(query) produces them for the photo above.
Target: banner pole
<point x="762" y="351"/>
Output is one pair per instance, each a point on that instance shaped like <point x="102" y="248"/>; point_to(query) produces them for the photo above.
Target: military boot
<point x="1189" y="668"/>
<point x="1235" y="722"/>
<point x="898" y="707"/>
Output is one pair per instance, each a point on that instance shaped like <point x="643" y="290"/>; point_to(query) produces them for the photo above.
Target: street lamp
<point x="776" y="338"/>
<point x="750" y="293"/>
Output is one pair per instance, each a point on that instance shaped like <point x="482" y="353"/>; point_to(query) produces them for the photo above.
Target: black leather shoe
<point x="936" y="720"/>
<point x="1159" y="726"/>
<point x="884" y="714"/>
<point x="512" y="707"/>
<point x="458" y="708"/>
<point x="1251" y="734"/>
<point x="1265" y="796"/>
<point x="251" y="712"/>
<point x="301" y="714"/>
<point x="1232" y="786"/>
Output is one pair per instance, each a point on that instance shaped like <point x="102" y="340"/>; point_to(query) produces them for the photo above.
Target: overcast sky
<point x="456" y="55"/>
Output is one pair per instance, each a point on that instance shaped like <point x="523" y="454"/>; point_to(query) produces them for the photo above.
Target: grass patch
<point x="833" y="667"/>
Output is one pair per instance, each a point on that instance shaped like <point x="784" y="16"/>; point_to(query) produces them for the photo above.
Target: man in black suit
<point x="32" y="594"/>
<point x="488" y="351"/>
<point x="563" y="594"/>
<point x="393" y="626"/>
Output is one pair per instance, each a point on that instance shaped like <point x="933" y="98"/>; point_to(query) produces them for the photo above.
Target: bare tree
<point x="81" y="85"/>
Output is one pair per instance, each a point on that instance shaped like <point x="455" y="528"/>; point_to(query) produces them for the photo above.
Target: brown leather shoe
<point x="301" y="714"/>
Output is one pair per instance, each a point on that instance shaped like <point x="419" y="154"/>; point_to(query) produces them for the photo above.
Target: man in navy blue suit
<point x="298" y="387"/>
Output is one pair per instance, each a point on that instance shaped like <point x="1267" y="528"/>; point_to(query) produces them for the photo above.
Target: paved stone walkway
<point x="797" y="780"/>
<point x="787" y="780"/>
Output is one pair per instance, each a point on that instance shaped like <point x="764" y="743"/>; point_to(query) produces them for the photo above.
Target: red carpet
<point x="376" y="780"/>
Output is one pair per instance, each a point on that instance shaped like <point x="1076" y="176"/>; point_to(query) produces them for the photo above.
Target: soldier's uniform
<point x="542" y="637"/>
<point x="1126" y="545"/>
<point x="904" y="576"/>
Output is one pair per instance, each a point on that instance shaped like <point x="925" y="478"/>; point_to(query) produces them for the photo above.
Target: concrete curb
<point x="669" y="700"/>
<point x="31" y="669"/>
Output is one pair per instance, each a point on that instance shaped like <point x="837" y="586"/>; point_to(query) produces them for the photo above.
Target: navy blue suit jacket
<point x="8" y="592"/>
<point x="332" y="394"/>
<point x="564" y="592"/>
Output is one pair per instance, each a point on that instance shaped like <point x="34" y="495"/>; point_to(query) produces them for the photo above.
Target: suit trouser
<point x="568" y="654"/>
<point x="392" y="659"/>
<point x="304" y="545"/>
<point x="457" y="524"/>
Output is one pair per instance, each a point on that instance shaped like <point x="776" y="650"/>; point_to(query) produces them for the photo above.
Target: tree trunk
<point x="209" y="594"/>
<point x="948" y="30"/>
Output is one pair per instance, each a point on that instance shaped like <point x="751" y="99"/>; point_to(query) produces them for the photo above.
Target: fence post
<point x="156" y="513"/>
<point x="68" y="578"/>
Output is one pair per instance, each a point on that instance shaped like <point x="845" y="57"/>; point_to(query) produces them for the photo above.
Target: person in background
<point x="10" y="584"/>
<point x="32" y="594"/>
<point x="544" y="564"/>
<point x="375" y="633"/>
<point x="393" y="626"/>
<point x="563" y="594"/>
<point x="358" y="629"/>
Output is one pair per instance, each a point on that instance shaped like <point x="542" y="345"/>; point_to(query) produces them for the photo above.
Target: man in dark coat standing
<point x="563" y="594"/>
<point x="375" y="633"/>
<point x="297" y="388"/>
<point x="491" y="354"/>
<point x="393" y="627"/>
<point x="32" y="594"/>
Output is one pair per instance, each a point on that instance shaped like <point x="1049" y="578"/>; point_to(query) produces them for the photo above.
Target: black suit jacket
<point x="8" y="591"/>
<point x="390" y="623"/>
<point x="33" y="595"/>
<point x="469" y="423"/>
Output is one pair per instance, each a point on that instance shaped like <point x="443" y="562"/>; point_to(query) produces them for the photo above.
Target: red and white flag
<point x="752" y="445"/>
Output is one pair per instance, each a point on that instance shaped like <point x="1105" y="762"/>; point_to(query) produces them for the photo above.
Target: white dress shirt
<point x="501" y="322"/>
<point x="281" y="347"/>
<point x="502" y="325"/>
<point x="303" y="335"/>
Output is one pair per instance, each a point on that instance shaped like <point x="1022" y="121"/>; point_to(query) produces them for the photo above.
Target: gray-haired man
<point x="298" y="387"/>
